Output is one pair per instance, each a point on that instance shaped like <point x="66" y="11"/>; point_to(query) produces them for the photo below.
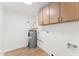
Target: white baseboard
<point x="43" y="50"/>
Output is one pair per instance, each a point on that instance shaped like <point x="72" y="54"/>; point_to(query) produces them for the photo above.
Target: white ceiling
<point x="21" y="7"/>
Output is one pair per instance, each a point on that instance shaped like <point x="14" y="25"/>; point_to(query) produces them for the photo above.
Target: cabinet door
<point x="46" y="15"/>
<point x="40" y="17"/>
<point x="68" y="11"/>
<point x="78" y="10"/>
<point x="75" y="10"/>
<point x="54" y="12"/>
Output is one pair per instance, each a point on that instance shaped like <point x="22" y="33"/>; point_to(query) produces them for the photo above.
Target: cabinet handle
<point x="59" y="19"/>
<point x="42" y="23"/>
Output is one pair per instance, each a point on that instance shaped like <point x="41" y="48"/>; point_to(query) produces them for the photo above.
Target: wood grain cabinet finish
<point x="40" y="17"/>
<point x="54" y="12"/>
<point x="57" y="12"/>
<point x="76" y="10"/>
<point x="45" y="15"/>
<point x="69" y="11"/>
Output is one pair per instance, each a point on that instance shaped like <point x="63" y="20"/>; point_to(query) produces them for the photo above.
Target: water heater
<point x="32" y="38"/>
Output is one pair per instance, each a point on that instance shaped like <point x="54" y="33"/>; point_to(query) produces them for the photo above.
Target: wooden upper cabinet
<point x="69" y="11"/>
<point x="40" y="18"/>
<point x="46" y="15"/>
<point x="58" y="12"/>
<point x="76" y="12"/>
<point x="54" y="12"/>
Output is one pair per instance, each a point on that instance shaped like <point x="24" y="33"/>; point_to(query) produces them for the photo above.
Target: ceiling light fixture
<point x="28" y="3"/>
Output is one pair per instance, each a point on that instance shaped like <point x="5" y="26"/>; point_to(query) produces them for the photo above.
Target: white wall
<point x="54" y="38"/>
<point x="1" y="20"/>
<point x="15" y="27"/>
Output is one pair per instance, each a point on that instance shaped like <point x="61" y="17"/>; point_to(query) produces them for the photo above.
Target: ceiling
<point x="30" y="10"/>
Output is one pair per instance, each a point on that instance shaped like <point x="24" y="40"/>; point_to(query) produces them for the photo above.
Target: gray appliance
<point x="32" y="38"/>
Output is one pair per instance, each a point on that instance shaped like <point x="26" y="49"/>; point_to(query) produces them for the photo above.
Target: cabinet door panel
<point x="75" y="10"/>
<point x="78" y="10"/>
<point x="46" y="15"/>
<point x="68" y="11"/>
<point x="40" y="17"/>
<point x="54" y="12"/>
